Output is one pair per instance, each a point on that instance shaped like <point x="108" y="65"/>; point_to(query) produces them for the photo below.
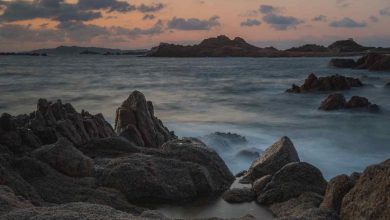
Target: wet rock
<point x="65" y="158"/>
<point x="291" y="181"/>
<point x="333" y="102"/>
<point x="73" y="211"/>
<point x="135" y="120"/>
<point x="337" y="188"/>
<point x="357" y="102"/>
<point x="343" y="63"/>
<point x="328" y="83"/>
<point x="260" y="183"/>
<point x="369" y="198"/>
<point x="9" y="201"/>
<point x="374" y="61"/>
<point x="273" y="159"/>
<point x="239" y="195"/>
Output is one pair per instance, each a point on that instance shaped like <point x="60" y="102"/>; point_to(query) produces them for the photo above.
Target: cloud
<point x="385" y="11"/>
<point x="109" y="5"/>
<point x="78" y="31"/>
<point x="250" y="23"/>
<point x="280" y="22"/>
<point x="320" y="18"/>
<point x="148" y="17"/>
<point x="374" y="19"/>
<point x="157" y="28"/>
<point x="268" y="9"/>
<point x="342" y="3"/>
<point x="150" y="8"/>
<point x="20" y="33"/>
<point x="347" y="23"/>
<point x="193" y="23"/>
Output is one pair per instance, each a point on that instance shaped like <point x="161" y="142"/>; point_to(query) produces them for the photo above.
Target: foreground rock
<point x="135" y="121"/>
<point x="369" y="198"/>
<point x="337" y="188"/>
<point x="239" y="195"/>
<point x="273" y="159"/>
<point x="337" y="101"/>
<point x="328" y="83"/>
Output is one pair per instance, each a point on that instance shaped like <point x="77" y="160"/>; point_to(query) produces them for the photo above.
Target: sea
<point x="196" y="97"/>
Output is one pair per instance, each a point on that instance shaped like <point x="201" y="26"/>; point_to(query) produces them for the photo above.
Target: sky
<point x="138" y="24"/>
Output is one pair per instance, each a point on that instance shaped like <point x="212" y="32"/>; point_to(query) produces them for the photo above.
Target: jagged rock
<point x="333" y="102"/>
<point x="71" y="211"/>
<point x="291" y="181"/>
<point x="239" y="195"/>
<point x="369" y="198"/>
<point x="65" y="158"/>
<point x="337" y="188"/>
<point x="374" y="61"/>
<point x="273" y="159"/>
<point x="260" y="183"/>
<point x="135" y="120"/>
<point x="357" y="102"/>
<point x="328" y="83"/>
<point x="343" y="63"/>
<point x="183" y="170"/>
<point x="9" y="201"/>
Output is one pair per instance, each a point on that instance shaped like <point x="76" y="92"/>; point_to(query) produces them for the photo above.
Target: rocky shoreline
<point x="57" y="163"/>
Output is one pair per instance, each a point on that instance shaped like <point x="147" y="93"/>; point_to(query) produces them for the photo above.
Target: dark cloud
<point x="51" y="3"/>
<point x="109" y="5"/>
<point x="78" y="31"/>
<point x="280" y="22"/>
<point x="347" y="23"/>
<point x="20" y="33"/>
<point x="320" y="18"/>
<point x="385" y="11"/>
<point x="148" y="17"/>
<point x="374" y="19"/>
<point x="193" y="23"/>
<point x="268" y="9"/>
<point x="150" y="8"/>
<point x="157" y="28"/>
<point x="78" y="16"/>
<point x="250" y="23"/>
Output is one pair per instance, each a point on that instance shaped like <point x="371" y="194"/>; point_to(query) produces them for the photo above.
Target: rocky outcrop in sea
<point x="337" y="101"/>
<point x="370" y="61"/>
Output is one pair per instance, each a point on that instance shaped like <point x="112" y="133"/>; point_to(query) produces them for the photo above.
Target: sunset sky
<point x="135" y="24"/>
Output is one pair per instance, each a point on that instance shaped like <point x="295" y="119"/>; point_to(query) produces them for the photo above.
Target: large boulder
<point x="239" y="195"/>
<point x="183" y="170"/>
<point x="135" y="120"/>
<point x="273" y="159"/>
<point x="260" y="183"/>
<point x="369" y="198"/>
<point x="337" y="188"/>
<point x="343" y="63"/>
<point x="333" y="102"/>
<point x="374" y="61"/>
<point x="328" y="83"/>
<point x="291" y="181"/>
<point x="64" y="157"/>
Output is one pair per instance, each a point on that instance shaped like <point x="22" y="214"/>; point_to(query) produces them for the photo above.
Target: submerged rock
<point x="291" y="181"/>
<point x="239" y="195"/>
<point x="369" y="198"/>
<point x="343" y="63"/>
<point x="135" y="121"/>
<point x="273" y="159"/>
<point x="328" y="83"/>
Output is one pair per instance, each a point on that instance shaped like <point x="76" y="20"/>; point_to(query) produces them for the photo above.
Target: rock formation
<point x="135" y="121"/>
<point x="337" y="101"/>
<point x="239" y="195"/>
<point x="343" y="63"/>
<point x="370" y="61"/>
<point x="328" y="83"/>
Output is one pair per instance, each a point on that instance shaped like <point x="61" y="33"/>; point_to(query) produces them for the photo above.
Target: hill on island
<point x="73" y="50"/>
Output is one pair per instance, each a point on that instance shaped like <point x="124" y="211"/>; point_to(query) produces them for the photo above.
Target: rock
<point x="328" y="83"/>
<point x="273" y="159"/>
<point x="348" y="45"/>
<point x="337" y="188"/>
<point x="374" y="61"/>
<point x="312" y="214"/>
<point x="343" y="63"/>
<point x="291" y="181"/>
<point x="110" y="147"/>
<point x="355" y="176"/>
<point x="71" y="211"/>
<point x="135" y="121"/>
<point x="67" y="159"/>
<point x="333" y="102"/>
<point x="247" y="154"/>
<point x="241" y="173"/>
<point x="309" y="48"/>
<point x="9" y="201"/>
<point x="369" y="198"/>
<point x="223" y="142"/>
<point x="357" y="102"/>
<point x="239" y="195"/>
<point x="260" y="183"/>
<point x="153" y="214"/>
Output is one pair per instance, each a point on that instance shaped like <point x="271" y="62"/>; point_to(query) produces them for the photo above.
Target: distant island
<point x="220" y="46"/>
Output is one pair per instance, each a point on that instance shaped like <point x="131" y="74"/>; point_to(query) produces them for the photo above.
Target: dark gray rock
<point x="337" y="188"/>
<point x="337" y="101"/>
<point x="9" y="201"/>
<point x="291" y="181"/>
<point x="110" y="147"/>
<point x="374" y="61"/>
<point x="357" y="102"/>
<point x="343" y="63"/>
<point x="65" y="158"/>
<point x="260" y="183"/>
<point x="239" y="195"/>
<point x="273" y="159"/>
<point x="333" y="102"/>
<point x="135" y="120"/>
<point x="369" y="198"/>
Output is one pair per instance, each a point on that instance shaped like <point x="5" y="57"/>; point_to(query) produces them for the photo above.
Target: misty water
<point x="196" y="97"/>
